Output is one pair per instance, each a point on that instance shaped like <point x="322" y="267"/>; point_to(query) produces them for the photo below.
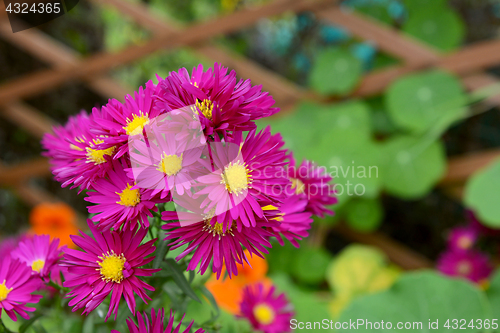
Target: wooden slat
<point x="462" y="167"/>
<point x="37" y="167"/>
<point x="28" y="118"/>
<point x="59" y="55"/>
<point x="397" y="252"/>
<point x="283" y="91"/>
<point x="40" y="81"/>
<point x="387" y="38"/>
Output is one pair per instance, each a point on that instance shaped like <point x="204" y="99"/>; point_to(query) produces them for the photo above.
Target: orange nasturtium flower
<point x="55" y="219"/>
<point x="228" y="292"/>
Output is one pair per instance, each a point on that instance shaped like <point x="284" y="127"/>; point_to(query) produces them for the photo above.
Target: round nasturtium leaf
<point x="310" y="265"/>
<point x="493" y="293"/>
<point x="420" y="101"/>
<point x="483" y="196"/>
<point x="415" y="6"/>
<point x="364" y="215"/>
<point x="411" y="166"/>
<point x="335" y="71"/>
<point x="442" y="29"/>
<point x="420" y="297"/>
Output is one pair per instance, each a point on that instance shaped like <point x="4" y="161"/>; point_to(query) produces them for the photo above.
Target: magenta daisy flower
<point x="110" y="264"/>
<point x="78" y="156"/>
<point x="118" y="121"/>
<point x="161" y="163"/>
<point x="294" y="220"/>
<point x="16" y="287"/>
<point x="223" y="103"/>
<point x="462" y="238"/>
<point x="472" y="265"/>
<point x="118" y="202"/>
<point x="311" y="182"/>
<point x="40" y="254"/>
<point x="211" y="243"/>
<point x="156" y="324"/>
<point x="247" y="173"/>
<point x="265" y="311"/>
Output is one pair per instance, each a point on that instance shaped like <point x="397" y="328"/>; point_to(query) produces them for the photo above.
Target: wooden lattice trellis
<point x="67" y="65"/>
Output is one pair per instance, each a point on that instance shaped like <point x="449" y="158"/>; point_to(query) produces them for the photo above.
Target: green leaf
<point x="442" y="28"/>
<point x="414" y="6"/>
<point x="308" y="306"/>
<point x="354" y="269"/>
<point x="482" y="195"/>
<point x="28" y="323"/>
<point x="493" y="293"/>
<point x="335" y="71"/>
<point x="417" y="102"/>
<point x="411" y="166"/>
<point x="364" y="215"/>
<point x="180" y="280"/>
<point x="310" y="264"/>
<point x="420" y="297"/>
<point x="161" y="252"/>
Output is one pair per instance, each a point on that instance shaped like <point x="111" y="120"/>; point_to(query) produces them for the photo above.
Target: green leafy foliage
<point x="493" y="293"/>
<point x="364" y="215"/>
<point x="440" y="27"/>
<point x="307" y="306"/>
<point x="482" y="195"/>
<point x="411" y="166"/>
<point x="417" y="102"/>
<point x="418" y="297"/>
<point x="339" y="138"/>
<point x="310" y="264"/>
<point x="336" y="71"/>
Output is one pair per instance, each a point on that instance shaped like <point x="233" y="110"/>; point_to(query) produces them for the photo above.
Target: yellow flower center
<point x="136" y="125"/>
<point x="298" y="185"/>
<point x="464" y="268"/>
<point x="96" y="156"/>
<point x="112" y="267"/>
<point x="464" y="242"/>
<point x="129" y="197"/>
<point x="236" y="178"/>
<point x="4" y="291"/>
<point x="217" y="228"/>
<point x="264" y="314"/>
<point x="37" y="265"/>
<point x="170" y="164"/>
<point x="206" y="107"/>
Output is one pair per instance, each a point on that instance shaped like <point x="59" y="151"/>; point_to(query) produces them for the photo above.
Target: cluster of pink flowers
<point x="462" y="258"/>
<point x="190" y="139"/>
<point x="26" y="265"/>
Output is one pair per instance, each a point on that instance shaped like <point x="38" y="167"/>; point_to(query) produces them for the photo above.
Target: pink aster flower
<point x="472" y="265"/>
<point x="77" y="156"/>
<point x="223" y="103"/>
<point x="118" y="121"/>
<point x="311" y="182"/>
<point x="41" y="255"/>
<point x="247" y="173"/>
<point x="16" y="288"/>
<point x="110" y="264"/>
<point x="462" y="238"/>
<point x="156" y="324"/>
<point x="294" y="220"/>
<point x="211" y="243"/>
<point x="118" y="202"/>
<point x="161" y="162"/>
<point x="265" y="311"/>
